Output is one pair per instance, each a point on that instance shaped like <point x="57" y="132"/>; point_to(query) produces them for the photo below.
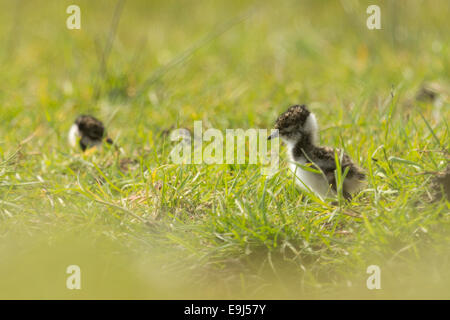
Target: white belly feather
<point x="313" y="181"/>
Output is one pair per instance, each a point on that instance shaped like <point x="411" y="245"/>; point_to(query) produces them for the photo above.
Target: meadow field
<point x="142" y="227"/>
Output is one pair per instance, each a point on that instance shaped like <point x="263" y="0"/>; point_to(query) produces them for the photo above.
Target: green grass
<point x="160" y="230"/>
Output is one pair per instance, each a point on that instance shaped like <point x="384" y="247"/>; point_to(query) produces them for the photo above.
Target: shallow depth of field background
<point x="141" y="227"/>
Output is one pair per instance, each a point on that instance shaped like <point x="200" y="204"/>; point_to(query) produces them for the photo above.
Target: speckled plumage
<point x="296" y="114"/>
<point x="298" y="129"/>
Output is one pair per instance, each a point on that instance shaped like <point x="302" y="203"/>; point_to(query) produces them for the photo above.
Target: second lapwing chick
<point x="298" y="129"/>
<point x="88" y="132"/>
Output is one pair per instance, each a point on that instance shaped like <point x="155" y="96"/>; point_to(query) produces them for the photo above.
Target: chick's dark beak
<point x="274" y="134"/>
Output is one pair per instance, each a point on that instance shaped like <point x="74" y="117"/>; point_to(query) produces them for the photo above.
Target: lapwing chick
<point x="298" y="129"/>
<point x="88" y="132"/>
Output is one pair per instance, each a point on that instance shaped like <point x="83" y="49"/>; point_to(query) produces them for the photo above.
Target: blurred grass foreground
<point x="140" y="227"/>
